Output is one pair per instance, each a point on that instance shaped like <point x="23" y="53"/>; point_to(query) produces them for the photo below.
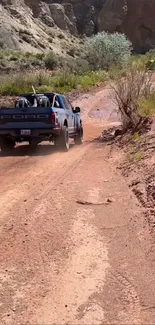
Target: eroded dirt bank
<point x="74" y="248"/>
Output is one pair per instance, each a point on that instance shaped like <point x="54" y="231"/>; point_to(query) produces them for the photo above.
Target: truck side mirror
<point x="76" y="109"/>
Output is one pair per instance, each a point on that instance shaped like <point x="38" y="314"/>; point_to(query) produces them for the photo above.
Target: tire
<point x="62" y="141"/>
<point x="78" y="139"/>
<point x="7" y="145"/>
<point x="33" y="145"/>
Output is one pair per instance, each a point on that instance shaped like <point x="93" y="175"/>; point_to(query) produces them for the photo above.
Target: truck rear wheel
<point x="7" y="145"/>
<point x="78" y="139"/>
<point x="63" y="140"/>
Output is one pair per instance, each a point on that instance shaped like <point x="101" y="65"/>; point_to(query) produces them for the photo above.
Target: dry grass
<point x="127" y="92"/>
<point x="61" y="82"/>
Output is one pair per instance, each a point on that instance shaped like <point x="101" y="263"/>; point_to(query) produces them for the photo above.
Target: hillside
<point x="29" y="26"/>
<point x="33" y="25"/>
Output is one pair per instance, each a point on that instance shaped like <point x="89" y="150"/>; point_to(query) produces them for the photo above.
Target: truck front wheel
<point x="62" y="141"/>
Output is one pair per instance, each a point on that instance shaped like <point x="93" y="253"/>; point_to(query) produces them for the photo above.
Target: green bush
<point x="17" y="60"/>
<point x="77" y="66"/>
<point x="51" y="61"/>
<point x="82" y="65"/>
<point x="40" y="56"/>
<point x="104" y="50"/>
<point x="64" y="81"/>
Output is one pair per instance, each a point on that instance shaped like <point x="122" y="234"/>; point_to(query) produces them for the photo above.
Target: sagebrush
<point x="128" y="91"/>
<point x="104" y="50"/>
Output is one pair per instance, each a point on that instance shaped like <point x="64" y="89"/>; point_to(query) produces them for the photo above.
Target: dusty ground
<point x="74" y="242"/>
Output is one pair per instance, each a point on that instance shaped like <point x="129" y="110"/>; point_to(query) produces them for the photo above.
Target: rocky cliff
<point x="27" y="24"/>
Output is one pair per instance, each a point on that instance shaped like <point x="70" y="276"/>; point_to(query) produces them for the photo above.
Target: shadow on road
<point x="43" y="149"/>
<point x="26" y="150"/>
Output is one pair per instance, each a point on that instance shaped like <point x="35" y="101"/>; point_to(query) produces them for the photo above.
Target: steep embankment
<point x="29" y="26"/>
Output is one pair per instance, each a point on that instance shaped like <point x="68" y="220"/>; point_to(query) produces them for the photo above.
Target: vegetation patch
<point x="131" y="94"/>
<point x="62" y="82"/>
<point x="105" y="50"/>
<point x="147" y="105"/>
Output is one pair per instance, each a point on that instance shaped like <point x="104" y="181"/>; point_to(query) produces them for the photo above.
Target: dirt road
<point x="72" y="241"/>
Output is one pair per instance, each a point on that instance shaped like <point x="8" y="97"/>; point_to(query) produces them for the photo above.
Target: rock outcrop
<point x="63" y="16"/>
<point x="135" y="18"/>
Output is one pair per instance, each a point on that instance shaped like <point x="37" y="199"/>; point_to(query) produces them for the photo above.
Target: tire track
<point x="131" y="308"/>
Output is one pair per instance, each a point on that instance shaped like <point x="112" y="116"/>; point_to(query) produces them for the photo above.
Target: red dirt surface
<point x="73" y="241"/>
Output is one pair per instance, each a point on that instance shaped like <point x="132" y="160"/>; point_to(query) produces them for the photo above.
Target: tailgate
<point x="25" y="118"/>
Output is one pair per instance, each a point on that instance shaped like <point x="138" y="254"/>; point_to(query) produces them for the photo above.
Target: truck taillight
<point x="53" y="118"/>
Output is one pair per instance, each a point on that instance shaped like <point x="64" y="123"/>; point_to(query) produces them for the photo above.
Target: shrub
<point x="40" y="56"/>
<point x="71" y="51"/>
<point x="77" y="66"/>
<point x="82" y="66"/>
<point x="26" y="38"/>
<point x="90" y="79"/>
<point x="64" y="82"/>
<point x="50" y="40"/>
<point x="51" y="61"/>
<point x="13" y="57"/>
<point x="104" y="50"/>
<point x="14" y="86"/>
<point x="127" y="93"/>
<point x="114" y="72"/>
<point x="61" y="36"/>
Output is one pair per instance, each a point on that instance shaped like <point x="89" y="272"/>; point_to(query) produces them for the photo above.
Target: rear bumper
<point x="35" y="133"/>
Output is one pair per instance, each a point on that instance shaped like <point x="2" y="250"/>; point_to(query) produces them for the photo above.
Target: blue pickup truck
<point x="40" y="117"/>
